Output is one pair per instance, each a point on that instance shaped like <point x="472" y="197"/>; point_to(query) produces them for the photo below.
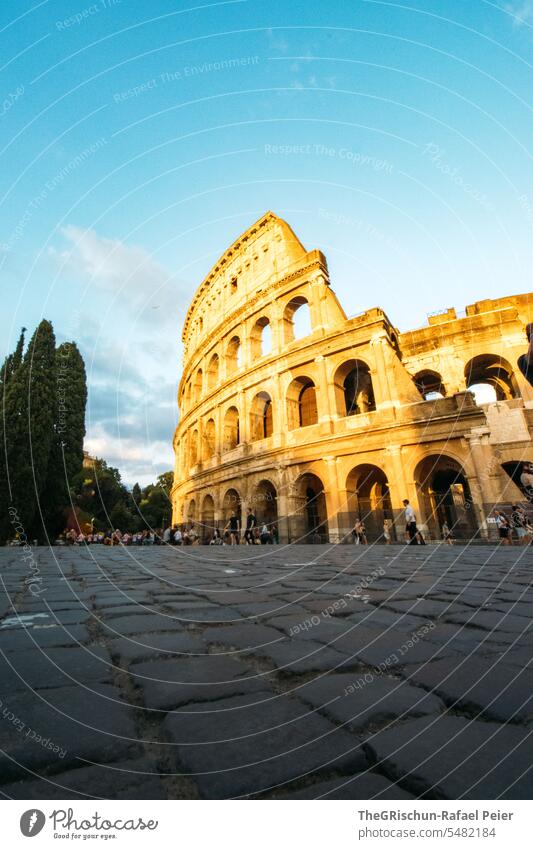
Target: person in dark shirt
<point x="234" y="527"/>
<point x="251" y="523"/>
<point x="525" y="361"/>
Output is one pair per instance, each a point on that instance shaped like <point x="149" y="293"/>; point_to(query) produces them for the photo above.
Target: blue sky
<point x="139" y="139"/>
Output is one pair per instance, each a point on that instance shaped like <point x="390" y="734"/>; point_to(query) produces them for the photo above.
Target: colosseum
<point x="312" y="418"/>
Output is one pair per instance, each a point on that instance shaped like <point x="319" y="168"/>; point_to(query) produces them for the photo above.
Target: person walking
<point x="519" y="524"/>
<point x="251" y="523"/>
<point x="504" y="527"/>
<point x="234" y="528"/>
<point x="411" y="530"/>
<point x="446" y="533"/>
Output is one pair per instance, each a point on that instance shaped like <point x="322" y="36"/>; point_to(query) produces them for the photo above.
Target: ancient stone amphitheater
<point x="312" y="419"/>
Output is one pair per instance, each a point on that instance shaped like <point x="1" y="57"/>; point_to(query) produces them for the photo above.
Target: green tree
<point x="66" y="455"/>
<point x="30" y="406"/>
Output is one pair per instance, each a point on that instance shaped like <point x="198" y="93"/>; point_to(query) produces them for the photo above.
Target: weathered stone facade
<point x="350" y="418"/>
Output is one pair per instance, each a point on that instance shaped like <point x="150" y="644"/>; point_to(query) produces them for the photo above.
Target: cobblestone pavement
<point x="272" y="672"/>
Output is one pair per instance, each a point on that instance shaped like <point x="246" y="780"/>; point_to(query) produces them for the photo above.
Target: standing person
<point x="166" y="534"/>
<point x="519" y="524"/>
<point x="251" y="523"/>
<point x="356" y="532"/>
<point x="387" y="531"/>
<point x="265" y="535"/>
<point x="275" y="534"/>
<point x="411" y="529"/>
<point x="504" y="527"/>
<point x="234" y="528"/>
<point x="525" y="361"/>
<point x="446" y="533"/>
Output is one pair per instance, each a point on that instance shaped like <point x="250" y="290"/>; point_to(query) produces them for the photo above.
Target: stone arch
<point x="232" y="435"/>
<point x="445" y="495"/>
<point x="193" y="448"/>
<point x="494" y="371"/>
<point x="231" y="503"/>
<point x="296" y="319"/>
<point x="209" y="441"/>
<point x="369" y="498"/>
<point x="354" y="392"/>
<point x="429" y="384"/>
<point x="261" y="421"/>
<point x="233" y="355"/>
<point x="265" y="503"/>
<point x="301" y="403"/>
<point x="213" y="372"/>
<point x="207" y="516"/>
<point x="198" y="386"/>
<point x="191" y="510"/>
<point x="309" y="522"/>
<point x="260" y="338"/>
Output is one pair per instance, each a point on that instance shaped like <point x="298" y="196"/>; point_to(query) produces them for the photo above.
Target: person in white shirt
<point x="411" y="530"/>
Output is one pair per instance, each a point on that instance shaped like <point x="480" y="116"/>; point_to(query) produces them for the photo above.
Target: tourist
<point x="519" y="524"/>
<point x="251" y="523"/>
<point x="357" y="532"/>
<point x="504" y="527"/>
<point x="217" y="538"/>
<point x="275" y="534"/>
<point x="446" y="533"/>
<point x="233" y="528"/>
<point x="178" y="537"/>
<point x="166" y="535"/>
<point x="387" y="531"/>
<point x="525" y="361"/>
<point x="411" y="530"/>
<point x="266" y="537"/>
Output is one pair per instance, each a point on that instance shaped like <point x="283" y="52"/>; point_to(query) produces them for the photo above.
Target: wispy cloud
<point x="521" y="10"/>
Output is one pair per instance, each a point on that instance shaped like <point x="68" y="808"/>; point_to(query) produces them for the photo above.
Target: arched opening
<point x="198" y="385"/>
<point x="445" y="496"/>
<point x="260" y="338"/>
<point x="491" y="378"/>
<point x="301" y="403"/>
<point x="296" y="320"/>
<point x="213" y="372"/>
<point x="233" y="356"/>
<point x="265" y="504"/>
<point x="369" y="499"/>
<point x="208" y="517"/>
<point x="354" y="392"/>
<point x="191" y="511"/>
<point x="429" y="384"/>
<point x="231" y="503"/>
<point x="209" y="440"/>
<point x="231" y="429"/>
<point x="193" y="449"/>
<point x="309" y="523"/>
<point x="261" y="425"/>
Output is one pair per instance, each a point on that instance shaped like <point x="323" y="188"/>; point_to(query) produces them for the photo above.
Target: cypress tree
<point x="30" y="409"/>
<point x="66" y="455"/>
<point x="11" y="363"/>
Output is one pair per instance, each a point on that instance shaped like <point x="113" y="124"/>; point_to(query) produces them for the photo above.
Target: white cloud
<point x="522" y="11"/>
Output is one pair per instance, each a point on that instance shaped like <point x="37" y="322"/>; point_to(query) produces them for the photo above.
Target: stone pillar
<point x="382" y="391"/>
<point x="322" y="395"/>
<point x="317" y="308"/>
<point x="244" y="423"/>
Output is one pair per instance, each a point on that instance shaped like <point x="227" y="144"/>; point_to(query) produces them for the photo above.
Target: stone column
<point x="317" y="309"/>
<point x="382" y="391"/>
<point x="322" y="395"/>
<point x="244" y="423"/>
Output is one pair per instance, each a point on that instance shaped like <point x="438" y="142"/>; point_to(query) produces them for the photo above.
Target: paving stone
<point x="455" y="758"/>
<point x="291" y="657"/>
<point x="497" y="690"/>
<point x="78" y="722"/>
<point x="141" y="623"/>
<point x="248" y="635"/>
<point x="142" y="647"/>
<point x="18" y="639"/>
<point x="360" y="700"/>
<point x="367" y="785"/>
<point x="122" y="780"/>
<point x="166" y="684"/>
<point x="256" y="747"/>
<point x="54" y="667"/>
